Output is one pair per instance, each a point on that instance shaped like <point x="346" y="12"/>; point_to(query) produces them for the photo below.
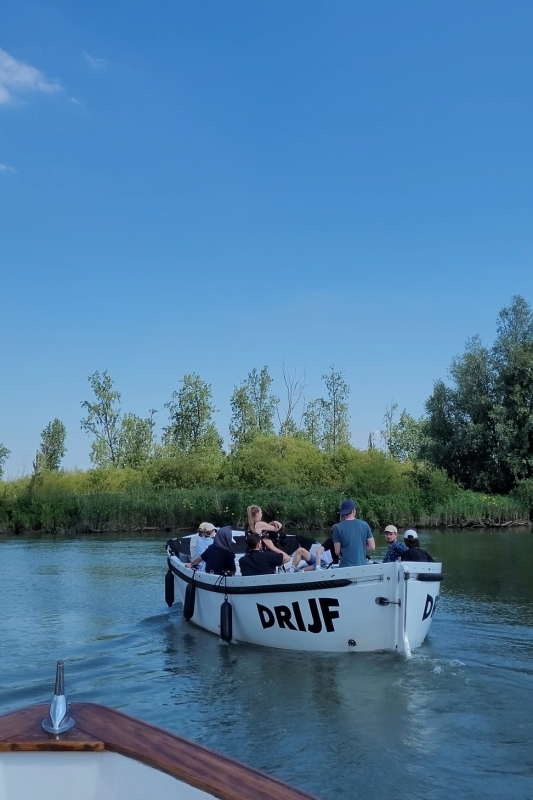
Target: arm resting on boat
<point x="271" y="546"/>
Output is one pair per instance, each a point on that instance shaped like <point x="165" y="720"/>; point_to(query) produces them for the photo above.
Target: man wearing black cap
<point x="352" y="537"/>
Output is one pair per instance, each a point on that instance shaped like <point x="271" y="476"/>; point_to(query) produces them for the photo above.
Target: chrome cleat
<point x="58" y="720"/>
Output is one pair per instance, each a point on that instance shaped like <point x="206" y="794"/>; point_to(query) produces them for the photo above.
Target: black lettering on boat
<point x="428" y="608"/>
<point x="298" y="616"/>
<point x="292" y="619"/>
<point x="266" y="616"/>
<point x="316" y="625"/>
<point x="283" y="616"/>
<point x="434" y="606"/>
<point x="327" y="613"/>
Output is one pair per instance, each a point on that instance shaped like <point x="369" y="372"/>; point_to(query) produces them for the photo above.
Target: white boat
<point x="90" y="752"/>
<point x="376" y="607"/>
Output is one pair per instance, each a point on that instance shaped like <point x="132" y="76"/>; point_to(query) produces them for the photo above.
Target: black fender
<point x="188" y="603"/>
<point x="169" y="588"/>
<point x="226" y="621"/>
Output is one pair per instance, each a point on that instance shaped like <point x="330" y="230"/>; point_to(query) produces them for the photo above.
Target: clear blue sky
<point x="211" y="186"/>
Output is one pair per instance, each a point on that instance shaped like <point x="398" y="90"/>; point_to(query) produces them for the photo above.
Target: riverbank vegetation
<point x="292" y="480"/>
<point x="468" y="461"/>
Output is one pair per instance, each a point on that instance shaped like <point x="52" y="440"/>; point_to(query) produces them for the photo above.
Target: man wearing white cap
<point x="201" y="540"/>
<point x="395" y="548"/>
<point x="414" y="551"/>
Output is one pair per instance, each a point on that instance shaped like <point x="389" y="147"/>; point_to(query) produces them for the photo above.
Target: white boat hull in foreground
<point x="87" y="776"/>
<point x="362" y="609"/>
<point x="107" y="755"/>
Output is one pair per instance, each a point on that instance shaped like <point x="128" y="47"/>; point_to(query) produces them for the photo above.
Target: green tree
<point x="103" y="421"/>
<point x="136" y="440"/>
<point x="242" y="423"/>
<point x="335" y="411"/>
<point x="252" y="408"/>
<point x="404" y="439"/>
<point x="480" y="428"/>
<point x="191" y="410"/>
<point x="365" y="472"/>
<point x="512" y="411"/>
<point x="4" y="455"/>
<point x="274" y="462"/>
<point x="185" y="470"/>
<point x="512" y="416"/>
<point x="52" y="449"/>
<point x="514" y="328"/>
<point x="313" y="422"/>
<point x="460" y="427"/>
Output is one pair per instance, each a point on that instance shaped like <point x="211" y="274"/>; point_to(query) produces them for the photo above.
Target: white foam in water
<point x="438" y="662"/>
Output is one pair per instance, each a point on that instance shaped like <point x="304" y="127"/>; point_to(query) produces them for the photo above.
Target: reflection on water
<point x="449" y="721"/>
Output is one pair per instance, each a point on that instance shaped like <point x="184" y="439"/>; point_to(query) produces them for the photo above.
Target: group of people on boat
<point x="408" y="550"/>
<point x="212" y="549"/>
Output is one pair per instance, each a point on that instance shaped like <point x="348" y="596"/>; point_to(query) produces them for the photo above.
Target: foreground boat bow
<point x="107" y="755"/>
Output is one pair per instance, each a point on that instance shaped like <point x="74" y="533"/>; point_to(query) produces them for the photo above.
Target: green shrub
<point x="291" y="479"/>
<point x="270" y="462"/>
<point x="184" y="471"/>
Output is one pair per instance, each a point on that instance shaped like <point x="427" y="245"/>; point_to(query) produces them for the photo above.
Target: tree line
<point x="127" y="440"/>
<point x="121" y="440"/>
<point x="477" y="426"/>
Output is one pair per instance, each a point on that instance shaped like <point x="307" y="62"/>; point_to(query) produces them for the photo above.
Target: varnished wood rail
<point x="99" y="728"/>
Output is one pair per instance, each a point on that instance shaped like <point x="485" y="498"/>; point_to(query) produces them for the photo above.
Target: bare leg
<point x="299" y="554"/>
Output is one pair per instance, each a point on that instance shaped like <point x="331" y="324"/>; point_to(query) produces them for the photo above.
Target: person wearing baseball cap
<point x="352" y="537"/>
<point x="202" y="539"/>
<point x="414" y="552"/>
<point x="395" y="548"/>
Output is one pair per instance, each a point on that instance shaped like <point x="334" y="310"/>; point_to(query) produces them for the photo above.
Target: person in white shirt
<point x="201" y="540"/>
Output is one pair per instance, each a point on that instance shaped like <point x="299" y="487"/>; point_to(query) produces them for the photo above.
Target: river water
<point x="454" y="721"/>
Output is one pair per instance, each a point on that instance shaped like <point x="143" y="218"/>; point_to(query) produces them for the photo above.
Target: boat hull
<point x="96" y="776"/>
<point x="108" y="755"/>
<point x="370" y="608"/>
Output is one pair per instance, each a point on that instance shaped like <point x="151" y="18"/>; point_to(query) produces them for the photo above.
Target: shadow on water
<point x="449" y="721"/>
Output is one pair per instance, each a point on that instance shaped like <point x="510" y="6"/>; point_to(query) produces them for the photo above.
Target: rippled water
<point x="455" y="720"/>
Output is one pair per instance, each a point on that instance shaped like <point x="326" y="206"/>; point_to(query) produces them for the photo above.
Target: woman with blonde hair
<point x="256" y="524"/>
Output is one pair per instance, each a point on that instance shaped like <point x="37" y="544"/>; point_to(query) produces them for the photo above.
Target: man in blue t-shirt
<point x="352" y="537"/>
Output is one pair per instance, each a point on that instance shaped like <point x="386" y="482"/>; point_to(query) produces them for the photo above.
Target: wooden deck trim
<point x="101" y="728"/>
<point x="21" y="731"/>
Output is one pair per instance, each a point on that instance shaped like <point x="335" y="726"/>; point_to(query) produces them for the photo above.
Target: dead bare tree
<point x="295" y="384"/>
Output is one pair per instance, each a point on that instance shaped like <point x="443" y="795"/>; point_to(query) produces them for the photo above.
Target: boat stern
<point x="421" y="589"/>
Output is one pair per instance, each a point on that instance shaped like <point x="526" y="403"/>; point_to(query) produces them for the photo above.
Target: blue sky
<point x="210" y="187"/>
